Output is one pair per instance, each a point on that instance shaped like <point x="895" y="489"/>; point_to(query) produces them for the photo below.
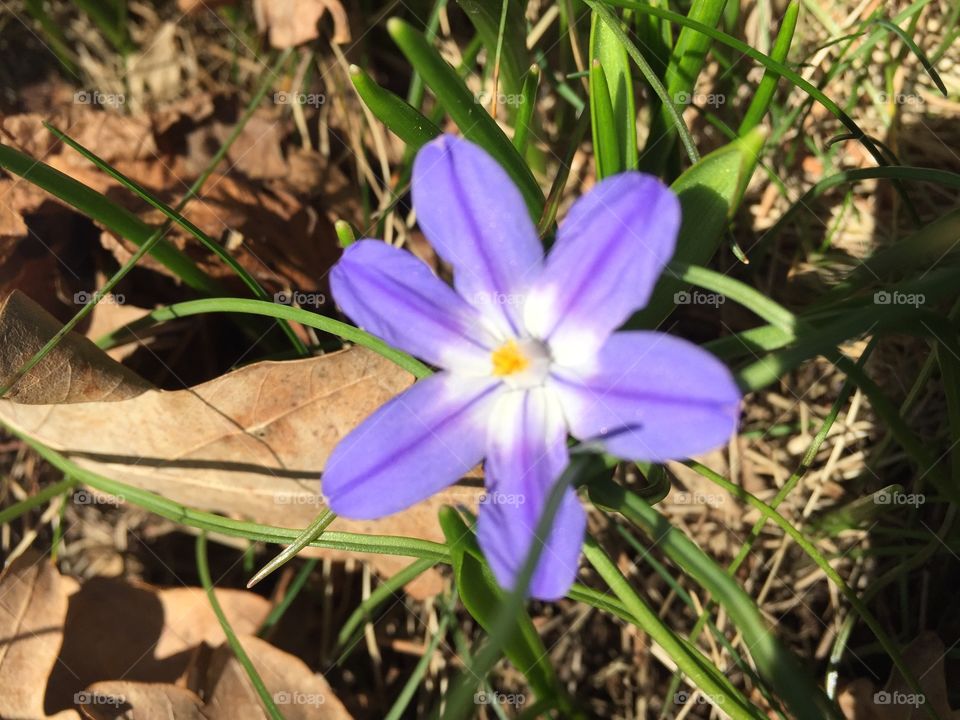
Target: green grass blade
<point x="469" y="116"/>
<point x="404" y="120"/>
<point x="106" y="212"/>
<point x="683" y="68"/>
<point x="528" y="102"/>
<point x="307" y="537"/>
<point x="606" y="144"/>
<point x="274" y="310"/>
<point x="511" y="43"/>
<point x="11" y="513"/>
<point x="768" y="84"/>
<point x="915" y="49"/>
<point x="614" y="61"/>
<point x="203" y="570"/>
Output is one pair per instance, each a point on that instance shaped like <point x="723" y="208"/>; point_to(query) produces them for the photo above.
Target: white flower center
<point x="521" y="364"/>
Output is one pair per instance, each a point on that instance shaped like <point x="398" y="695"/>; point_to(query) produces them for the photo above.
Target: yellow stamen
<point x="509" y="359"/>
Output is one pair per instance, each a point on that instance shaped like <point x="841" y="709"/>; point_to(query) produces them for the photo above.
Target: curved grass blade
<point x="683" y="68"/>
<point x="106" y="212"/>
<point x="768" y="84"/>
<point x="466" y="112"/>
<point x="404" y="120"/>
<point x="679" y="127"/>
<point x="311" y="533"/>
<point x="258" y="307"/>
<point x="528" y="102"/>
<point x="915" y="49"/>
<point x="774" y="662"/>
<point x="180" y="220"/>
<point x="203" y="570"/>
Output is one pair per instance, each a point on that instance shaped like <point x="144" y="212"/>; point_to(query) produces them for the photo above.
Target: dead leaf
<point x="113" y="629"/>
<point x="293" y="22"/>
<point x="253" y="442"/>
<point x="116" y="699"/>
<point x="925" y="655"/>
<point x="75" y="371"/>
<point x="33" y="603"/>
<point x="297" y="691"/>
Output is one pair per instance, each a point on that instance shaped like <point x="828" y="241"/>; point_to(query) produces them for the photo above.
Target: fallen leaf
<point x="144" y="701"/>
<point x="293" y="22"/>
<point x="252" y="442"/>
<point x="297" y="691"/>
<point x="33" y="603"/>
<point x="76" y="370"/>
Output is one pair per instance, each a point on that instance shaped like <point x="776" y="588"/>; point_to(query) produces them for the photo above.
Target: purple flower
<point x="528" y="355"/>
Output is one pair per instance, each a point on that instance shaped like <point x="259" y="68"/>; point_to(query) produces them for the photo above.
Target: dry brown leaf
<point x="292" y="22"/>
<point x="139" y="632"/>
<point x="33" y="604"/>
<point x="253" y="442"/>
<point x="925" y="655"/>
<point x="75" y="371"/>
<point x="298" y="692"/>
<point x="116" y="699"/>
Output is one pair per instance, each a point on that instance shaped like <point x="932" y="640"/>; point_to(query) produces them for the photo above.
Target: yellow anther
<point x="509" y="359"/>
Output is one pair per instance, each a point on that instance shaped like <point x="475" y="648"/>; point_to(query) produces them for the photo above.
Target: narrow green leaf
<point x="768" y="84"/>
<point x="483" y="598"/>
<point x="606" y="48"/>
<point x="204" y="571"/>
<point x="528" y="103"/>
<point x="915" y="49"/>
<point x="311" y="533"/>
<point x="112" y="216"/>
<point x="514" y="58"/>
<point x="777" y="665"/>
<point x="606" y="146"/>
<point x="686" y="61"/>
<point x="466" y="112"/>
<point x="709" y="193"/>
<point x="404" y="120"/>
